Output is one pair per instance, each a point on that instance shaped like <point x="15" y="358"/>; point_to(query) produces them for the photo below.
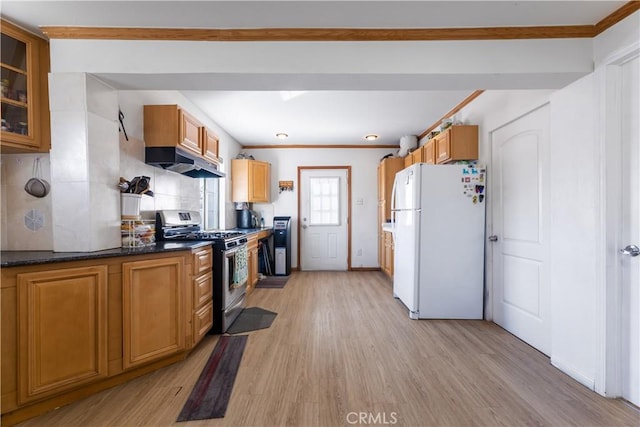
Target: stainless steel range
<point x="230" y="268"/>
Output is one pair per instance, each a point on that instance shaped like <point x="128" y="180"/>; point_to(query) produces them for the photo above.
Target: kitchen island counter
<point x="18" y="258"/>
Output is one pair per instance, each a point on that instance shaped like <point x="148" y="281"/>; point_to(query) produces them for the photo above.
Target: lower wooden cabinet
<point x="202" y="295"/>
<point x="71" y="329"/>
<point x="387" y="254"/>
<point x="252" y="248"/>
<point x="62" y="330"/>
<point x="152" y="295"/>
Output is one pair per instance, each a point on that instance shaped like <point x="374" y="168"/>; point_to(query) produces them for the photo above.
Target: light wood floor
<point x="341" y="346"/>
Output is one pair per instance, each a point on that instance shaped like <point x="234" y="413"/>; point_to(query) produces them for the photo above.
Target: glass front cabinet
<point x="25" y="114"/>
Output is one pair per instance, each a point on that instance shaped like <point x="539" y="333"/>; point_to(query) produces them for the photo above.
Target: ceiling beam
<point x="342" y="34"/>
<point x="320" y="34"/>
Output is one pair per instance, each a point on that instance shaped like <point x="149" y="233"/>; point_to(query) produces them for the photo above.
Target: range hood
<point x="181" y="161"/>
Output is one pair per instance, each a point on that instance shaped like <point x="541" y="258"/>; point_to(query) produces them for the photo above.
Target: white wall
<point x="574" y="229"/>
<point x="364" y="186"/>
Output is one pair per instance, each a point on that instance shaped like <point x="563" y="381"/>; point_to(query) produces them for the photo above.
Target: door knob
<point x="493" y="238"/>
<point x="631" y="250"/>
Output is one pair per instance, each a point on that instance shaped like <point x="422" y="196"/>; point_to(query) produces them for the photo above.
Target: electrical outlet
<point x="359" y="253"/>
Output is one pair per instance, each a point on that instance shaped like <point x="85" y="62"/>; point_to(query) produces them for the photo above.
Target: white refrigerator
<point x="438" y="217"/>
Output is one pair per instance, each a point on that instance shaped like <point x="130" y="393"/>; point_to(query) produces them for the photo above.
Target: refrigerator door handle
<point x="393" y="208"/>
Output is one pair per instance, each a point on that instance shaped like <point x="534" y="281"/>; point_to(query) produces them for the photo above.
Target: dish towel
<point x="241" y="272"/>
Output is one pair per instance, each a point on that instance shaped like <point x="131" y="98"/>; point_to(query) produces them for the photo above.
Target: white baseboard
<point x="583" y="379"/>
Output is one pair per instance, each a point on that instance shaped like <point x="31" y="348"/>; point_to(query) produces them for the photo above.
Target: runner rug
<point x="210" y="395"/>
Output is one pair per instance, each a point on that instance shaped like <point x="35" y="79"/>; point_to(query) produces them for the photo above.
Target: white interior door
<point x="324" y="219"/>
<point x="630" y="232"/>
<point x="520" y="189"/>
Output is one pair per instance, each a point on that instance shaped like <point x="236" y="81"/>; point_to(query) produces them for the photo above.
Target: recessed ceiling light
<point x="371" y="137"/>
<point x="282" y="135"/>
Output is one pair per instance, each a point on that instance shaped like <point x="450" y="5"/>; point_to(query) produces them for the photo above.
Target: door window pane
<point x="324" y="198"/>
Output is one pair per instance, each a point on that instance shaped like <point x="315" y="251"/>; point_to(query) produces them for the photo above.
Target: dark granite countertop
<point x="251" y="230"/>
<point x="17" y="258"/>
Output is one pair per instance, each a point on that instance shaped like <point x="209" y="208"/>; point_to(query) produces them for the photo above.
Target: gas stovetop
<point x="185" y="226"/>
<point x="213" y="235"/>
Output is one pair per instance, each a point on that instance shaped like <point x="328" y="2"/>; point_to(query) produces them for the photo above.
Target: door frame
<point x="608" y="380"/>
<point x="348" y="169"/>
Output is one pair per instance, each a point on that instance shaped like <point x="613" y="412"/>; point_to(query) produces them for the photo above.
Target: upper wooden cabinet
<point x="24" y="66"/>
<point x="457" y="143"/>
<point x="172" y="126"/>
<point x="251" y="181"/>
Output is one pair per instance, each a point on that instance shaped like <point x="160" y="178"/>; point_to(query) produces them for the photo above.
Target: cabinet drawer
<point x="202" y="289"/>
<point x="202" y="322"/>
<point x="202" y="261"/>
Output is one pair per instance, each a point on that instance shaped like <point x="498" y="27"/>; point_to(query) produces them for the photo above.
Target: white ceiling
<point x="320" y="116"/>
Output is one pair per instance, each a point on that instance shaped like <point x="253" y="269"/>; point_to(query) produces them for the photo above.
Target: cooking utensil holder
<point x="130" y="206"/>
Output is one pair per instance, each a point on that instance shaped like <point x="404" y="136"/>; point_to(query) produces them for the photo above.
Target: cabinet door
<point x="429" y="152"/>
<point x="152" y="309"/>
<point x="252" y="248"/>
<point x="20" y="96"/>
<point x="259" y="181"/>
<point x="416" y="156"/>
<point x="443" y="147"/>
<point x="190" y="136"/>
<point x="408" y="160"/>
<point x="62" y="330"/>
<point x="388" y="256"/>
<point x="210" y="148"/>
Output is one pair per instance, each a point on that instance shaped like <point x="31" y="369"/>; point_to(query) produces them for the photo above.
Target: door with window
<point x="324" y="218"/>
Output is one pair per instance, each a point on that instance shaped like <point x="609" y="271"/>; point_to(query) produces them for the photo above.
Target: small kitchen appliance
<point x="245" y="218"/>
<point x="230" y="267"/>
<point x="282" y="244"/>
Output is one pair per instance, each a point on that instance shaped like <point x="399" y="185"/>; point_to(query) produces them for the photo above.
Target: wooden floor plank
<point x="342" y="348"/>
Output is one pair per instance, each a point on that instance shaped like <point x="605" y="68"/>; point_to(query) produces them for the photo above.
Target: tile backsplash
<point x="26" y="220"/>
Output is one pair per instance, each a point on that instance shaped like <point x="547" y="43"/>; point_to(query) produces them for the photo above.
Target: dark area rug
<point x="250" y="319"/>
<point x="272" y="282"/>
<point x="210" y="395"/>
